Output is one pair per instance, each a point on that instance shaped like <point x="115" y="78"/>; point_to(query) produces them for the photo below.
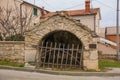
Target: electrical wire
<point x="105" y="4"/>
<point x="80" y="5"/>
<point x="48" y="5"/>
<point x="74" y="6"/>
<point x="77" y="5"/>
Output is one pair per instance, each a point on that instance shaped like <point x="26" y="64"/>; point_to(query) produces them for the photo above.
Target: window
<point x="35" y="11"/>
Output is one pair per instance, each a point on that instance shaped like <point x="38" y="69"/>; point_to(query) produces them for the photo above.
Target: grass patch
<point x="103" y="63"/>
<point x="8" y="63"/>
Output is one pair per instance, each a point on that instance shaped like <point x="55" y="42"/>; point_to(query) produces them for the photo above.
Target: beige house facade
<point x="24" y="7"/>
<point x="27" y="13"/>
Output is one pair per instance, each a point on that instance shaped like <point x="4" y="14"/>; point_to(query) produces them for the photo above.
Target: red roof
<point x="111" y="30"/>
<point x="75" y="12"/>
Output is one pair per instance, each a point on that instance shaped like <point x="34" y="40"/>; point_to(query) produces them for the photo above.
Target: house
<point x="24" y="7"/>
<point x="89" y="17"/>
<point x="26" y="13"/>
<point x="107" y="40"/>
<point x="110" y="34"/>
<point x="102" y="32"/>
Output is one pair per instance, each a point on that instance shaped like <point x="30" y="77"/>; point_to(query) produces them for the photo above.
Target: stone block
<point x="93" y="55"/>
<point x="95" y="40"/>
<point x="19" y="46"/>
<point x="28" y="39"/>
<point x="87" y="47"/>
<point x="86" y="55"/>
<point x="90" y="64"/>
<point x="30" y="55"/>
<point x="29" y="47"/>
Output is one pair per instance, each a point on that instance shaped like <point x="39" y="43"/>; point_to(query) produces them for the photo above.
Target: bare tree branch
<point x="11" y="23"/>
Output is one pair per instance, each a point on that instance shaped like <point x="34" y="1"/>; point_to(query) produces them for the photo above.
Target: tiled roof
<point x="111" y="30"/>
<point x="75" y="12"/>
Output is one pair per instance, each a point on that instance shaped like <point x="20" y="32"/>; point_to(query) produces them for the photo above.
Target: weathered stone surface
<point x="12" y="51"/>
<point x="30" y="55"/>
<point x="86" y="55"/>
<point x="93" y="55"/>
<point x="90" y="64"/>
<point x="57" y="23"/>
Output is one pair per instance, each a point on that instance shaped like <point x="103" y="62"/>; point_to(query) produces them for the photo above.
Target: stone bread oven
<point x="59" y="25"/>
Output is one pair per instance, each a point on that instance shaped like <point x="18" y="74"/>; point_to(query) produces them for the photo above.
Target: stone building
<point x="61" y="40"/>
<point x="108" y="40"/>
<point x="59" y="23"/>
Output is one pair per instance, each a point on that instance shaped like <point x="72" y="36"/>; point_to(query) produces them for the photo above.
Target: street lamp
<point x="117" y="31"/>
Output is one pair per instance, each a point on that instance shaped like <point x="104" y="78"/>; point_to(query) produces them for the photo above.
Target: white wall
<point x="98" y="22"/>
<point x="86" y="20"/>
<point x="26" y="9"/>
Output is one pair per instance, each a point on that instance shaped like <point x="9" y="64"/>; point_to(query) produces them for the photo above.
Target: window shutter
<point x="35" y="11"/>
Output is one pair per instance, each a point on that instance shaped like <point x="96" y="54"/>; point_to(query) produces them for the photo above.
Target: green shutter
<point x="35" y="11"/>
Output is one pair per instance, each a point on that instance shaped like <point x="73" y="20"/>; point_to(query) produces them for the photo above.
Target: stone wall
<point x="12" y="51"/>
<point x="62" y="23"/>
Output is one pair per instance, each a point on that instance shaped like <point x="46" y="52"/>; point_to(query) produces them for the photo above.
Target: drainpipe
<point x="105" y="32"/>
<point x="95" y="23"/>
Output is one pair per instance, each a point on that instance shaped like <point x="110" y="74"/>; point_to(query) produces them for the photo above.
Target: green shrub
<point x="8" y="63"/>
<point x="17" y="37"/>
<point x="108" y="63"/>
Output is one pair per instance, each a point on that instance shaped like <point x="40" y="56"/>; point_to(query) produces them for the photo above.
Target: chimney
<point x="42" y="11"/>
<point x="87" y="6"/>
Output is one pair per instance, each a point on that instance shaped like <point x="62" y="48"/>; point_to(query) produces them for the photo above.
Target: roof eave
<point x="34" y="5"/>
<point x="84" y="14"/>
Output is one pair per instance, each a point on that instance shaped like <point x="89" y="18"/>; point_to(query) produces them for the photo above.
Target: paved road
<point x="21" y="75"/>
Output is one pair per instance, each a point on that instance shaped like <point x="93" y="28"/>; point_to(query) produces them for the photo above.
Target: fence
<point x="60" y="56"/>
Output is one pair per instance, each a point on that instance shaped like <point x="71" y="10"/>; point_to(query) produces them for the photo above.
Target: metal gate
<point x="59" y="56"/>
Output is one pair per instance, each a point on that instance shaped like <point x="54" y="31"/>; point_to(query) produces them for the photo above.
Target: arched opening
<point x="63" y="37"/>
<point x="60" y="49"/>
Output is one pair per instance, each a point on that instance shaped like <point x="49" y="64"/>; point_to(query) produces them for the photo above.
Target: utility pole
<point x="117" y="31"/>
<point x="34" y="2"/>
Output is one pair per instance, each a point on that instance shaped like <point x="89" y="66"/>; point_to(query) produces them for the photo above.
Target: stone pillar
<point x="30" y="52"/>
<point x="90" y="56"/>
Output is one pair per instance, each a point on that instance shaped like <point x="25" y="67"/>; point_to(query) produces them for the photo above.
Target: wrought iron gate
<point x="59" y="56"/>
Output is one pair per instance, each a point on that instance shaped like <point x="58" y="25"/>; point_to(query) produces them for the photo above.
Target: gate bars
<point x="59" y="56"/>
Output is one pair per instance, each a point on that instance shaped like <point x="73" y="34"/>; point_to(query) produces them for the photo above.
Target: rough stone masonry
<point x="12" y="51"/>
<point x="58" y="22"/>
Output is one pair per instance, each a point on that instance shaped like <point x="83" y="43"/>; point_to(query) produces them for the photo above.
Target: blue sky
<point x="108" y="8"/>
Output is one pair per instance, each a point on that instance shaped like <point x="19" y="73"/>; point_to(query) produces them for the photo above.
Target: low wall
<point x="12" y="51"/>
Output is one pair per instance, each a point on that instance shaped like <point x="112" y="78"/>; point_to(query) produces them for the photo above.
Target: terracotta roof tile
<point x="75" y="12"/>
